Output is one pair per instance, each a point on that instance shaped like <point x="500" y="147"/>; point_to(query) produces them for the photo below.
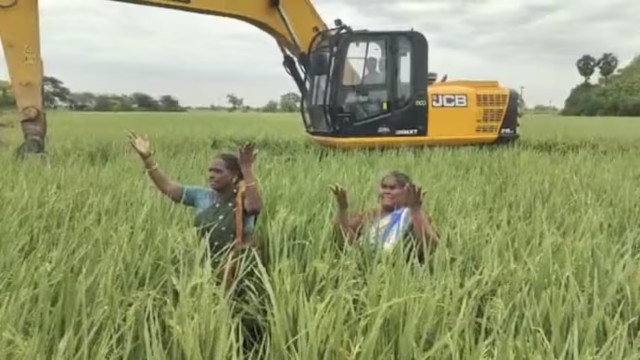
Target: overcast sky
<point x="107" y="46"/>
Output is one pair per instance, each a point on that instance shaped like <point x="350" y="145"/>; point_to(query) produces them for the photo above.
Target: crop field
<point x="539" y="255"/>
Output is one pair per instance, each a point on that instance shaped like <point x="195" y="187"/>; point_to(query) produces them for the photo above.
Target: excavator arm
<point x="20" y="35"/>
<point x="294" y="24"/>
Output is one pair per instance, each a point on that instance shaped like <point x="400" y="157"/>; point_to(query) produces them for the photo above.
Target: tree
<point x="144" y="101"/>
<point x="289" y="102"/>
<point x="54" y="91"/>
<point x="617" y="95"/>
<point x="235" y="101"/>
<point x="169" y="103"/>
<point x="104" y="103"/>
<point x="82" y="101"/>
<point x="123" y="102"/>
<point x="5" y="86"/>
<point x="270" y="107"/>
<point x="586" y="66"/>
<point x="6" y="95"/>
<point x="607" y="65"/>
<point x="544" y="109"/>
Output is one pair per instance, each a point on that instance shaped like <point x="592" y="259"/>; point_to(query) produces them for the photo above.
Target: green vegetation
<point x="539" y="255"/>
<point x="58" y="96"/>
<point x="6" y="95"/>
<point x="615" y="93"/>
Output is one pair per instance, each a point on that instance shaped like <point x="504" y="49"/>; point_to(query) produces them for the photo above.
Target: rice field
<point x="538" y="259"/>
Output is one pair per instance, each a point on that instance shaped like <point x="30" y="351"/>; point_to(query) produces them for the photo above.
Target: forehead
<point x="218" y="163"/>
<point x="389" y="180"/>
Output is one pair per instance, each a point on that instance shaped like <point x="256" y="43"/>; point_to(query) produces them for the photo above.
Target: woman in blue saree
<point x="398" y="217"/>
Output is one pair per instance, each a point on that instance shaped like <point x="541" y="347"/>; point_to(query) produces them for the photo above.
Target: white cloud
<point x="107" y="46"/>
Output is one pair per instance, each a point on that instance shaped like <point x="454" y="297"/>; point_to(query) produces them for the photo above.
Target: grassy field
<point x="539" y="254"/>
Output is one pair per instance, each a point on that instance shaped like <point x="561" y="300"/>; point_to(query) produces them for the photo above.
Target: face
<point x="391" y="193"/>
<point x="371" y="64"/>
<point x="220" y="177"/>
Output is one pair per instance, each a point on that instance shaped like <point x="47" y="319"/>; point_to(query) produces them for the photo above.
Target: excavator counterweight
<point x="358" y="88"/>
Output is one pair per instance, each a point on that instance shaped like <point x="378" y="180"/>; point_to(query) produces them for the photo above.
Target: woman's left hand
<point x="415" y="194"/>
<point x="247" y="154"/>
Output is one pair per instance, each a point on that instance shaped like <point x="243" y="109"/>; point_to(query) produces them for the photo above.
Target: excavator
<point x="359" y="88"/>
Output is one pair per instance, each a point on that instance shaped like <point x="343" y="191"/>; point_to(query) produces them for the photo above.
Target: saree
<point x="388" y="230"/>
<point x="217" y="225"/>
<point x="222" y="224"/>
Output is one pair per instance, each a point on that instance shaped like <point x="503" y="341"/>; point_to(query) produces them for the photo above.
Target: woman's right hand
<point x="140" y="144"/>
<point x="341" y="196"/>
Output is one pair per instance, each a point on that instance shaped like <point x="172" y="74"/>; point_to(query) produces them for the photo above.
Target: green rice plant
<point x="538" y="257"/>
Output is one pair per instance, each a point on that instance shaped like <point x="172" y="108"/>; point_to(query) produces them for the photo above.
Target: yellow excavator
<point x="358" y="88"/>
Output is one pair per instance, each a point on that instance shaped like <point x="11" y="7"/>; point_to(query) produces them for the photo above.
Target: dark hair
<point x="232" y="163"/>
<point x="402" y="178"/>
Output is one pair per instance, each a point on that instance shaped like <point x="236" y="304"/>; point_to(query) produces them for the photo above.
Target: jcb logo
<point x="449" y="100"/>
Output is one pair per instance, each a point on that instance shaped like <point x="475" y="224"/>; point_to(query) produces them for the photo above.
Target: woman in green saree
<point x="226" y="213"/>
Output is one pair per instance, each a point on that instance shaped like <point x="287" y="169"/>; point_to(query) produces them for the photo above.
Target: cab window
<point x="364" y="90"/>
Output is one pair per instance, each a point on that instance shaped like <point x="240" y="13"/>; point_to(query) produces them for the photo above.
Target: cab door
<point x="409" y="111"/>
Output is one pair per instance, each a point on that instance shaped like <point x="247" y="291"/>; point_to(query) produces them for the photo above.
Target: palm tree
<point x="607" y="65"/>
<point x="586" y="66"/>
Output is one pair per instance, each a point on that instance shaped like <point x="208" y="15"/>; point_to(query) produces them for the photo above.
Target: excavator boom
<point x="292" y="23"/>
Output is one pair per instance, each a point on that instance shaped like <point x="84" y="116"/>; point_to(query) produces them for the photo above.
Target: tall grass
<point x="539" y="254"/>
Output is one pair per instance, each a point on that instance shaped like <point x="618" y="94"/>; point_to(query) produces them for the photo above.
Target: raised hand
<point x="414" y="196"/>
<point x="247" y="154"/>
<point x="140" y="144"/>
<point x="341" y="196"/>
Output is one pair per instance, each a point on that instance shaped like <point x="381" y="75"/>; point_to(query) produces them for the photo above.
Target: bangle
<point x="152" y="168"/>
<point x="250" y="184"/>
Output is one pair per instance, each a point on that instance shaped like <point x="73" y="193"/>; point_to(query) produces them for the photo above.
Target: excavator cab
<point x="366" y="84"/>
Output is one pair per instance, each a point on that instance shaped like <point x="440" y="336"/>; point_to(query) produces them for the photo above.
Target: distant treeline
<point x="616" y="93"/>
<point x="57" y="95"/>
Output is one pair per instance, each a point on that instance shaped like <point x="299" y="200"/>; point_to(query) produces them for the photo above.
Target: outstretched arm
<point x="423" y="232"/>
<point x="342" y="221"/>
<point x="252" y="199"/>
<point x="168" y="187"/>
<point x="348" y="226"/>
